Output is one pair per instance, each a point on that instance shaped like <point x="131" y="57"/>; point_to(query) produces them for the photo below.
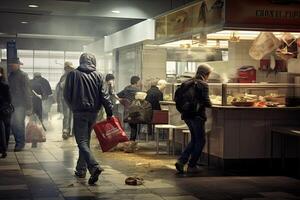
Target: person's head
<point x="136" y="81"/>
<point x="87" y="59"/>
<point x="15" y="64"/>
<point x="203" y="72"/>
<point x="37" y="74"/>
<point x="161" y="84"/>
<point x="109" y="77"/>
<point x="2" y="74"/>
<point x="68" y="66"/>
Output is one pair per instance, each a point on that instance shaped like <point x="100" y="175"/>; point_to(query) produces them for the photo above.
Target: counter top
<point x="257" y="108"/>
<point x="167" y="102"/>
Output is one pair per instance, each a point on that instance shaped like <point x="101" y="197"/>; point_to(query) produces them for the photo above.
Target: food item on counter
<point x="229" y="99"/>
<point x="244" y="100"/>
<point x="215" y="99"/>
<point x="168" y="97"/>
<point x="274" y="97"/>
<point x="260" y="104"/>
<point x="272" y="104"/>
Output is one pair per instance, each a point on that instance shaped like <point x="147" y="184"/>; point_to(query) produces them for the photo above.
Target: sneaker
<point x="18" y="149"/>
<point x="95" y="176"/>
<point x="194" y="170"/>
<point x="80" y="174"/>
<point x="179" y="167"/>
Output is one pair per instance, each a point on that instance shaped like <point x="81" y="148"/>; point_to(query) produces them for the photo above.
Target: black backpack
<point x="187" y="98"/>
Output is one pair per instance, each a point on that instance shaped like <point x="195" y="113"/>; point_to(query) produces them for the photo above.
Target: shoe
<point x="95" y="176"/>
<point x="194" y="170"/>
<point x="65" y="136"/>
<point x="131" y="147"/>
<point x="18" y="149"/>
<point x="80" y="174"/>
<point x="4" y="154"/>
<point x="179" y="167"/>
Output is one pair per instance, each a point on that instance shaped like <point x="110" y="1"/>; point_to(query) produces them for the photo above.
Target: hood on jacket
<point x="87" y="63"/>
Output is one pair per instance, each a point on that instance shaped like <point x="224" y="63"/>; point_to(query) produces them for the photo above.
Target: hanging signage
<point x="203" y="17"/>
<point x="278" y="15"/>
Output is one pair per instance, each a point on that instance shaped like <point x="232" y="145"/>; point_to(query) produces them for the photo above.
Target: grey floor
<point x="46" y="173"/>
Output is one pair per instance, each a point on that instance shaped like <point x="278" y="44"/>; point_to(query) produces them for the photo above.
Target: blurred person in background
<point x="155" y="94"/>
<point x="127" y="95"/>
<point x="85" y="93"/>
<point x="5" y="102"/>
<point x="22" y="101"/>
<point x="61" y="103"/>
<point x="47" y="98"/>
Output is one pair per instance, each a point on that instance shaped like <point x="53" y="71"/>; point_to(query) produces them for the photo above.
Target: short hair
<point x="109" y="77"/>
<point x="203" y="70"/>
<point x="134" y="80"/>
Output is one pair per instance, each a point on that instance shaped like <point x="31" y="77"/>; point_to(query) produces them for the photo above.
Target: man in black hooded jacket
<point x="85" y="94"/>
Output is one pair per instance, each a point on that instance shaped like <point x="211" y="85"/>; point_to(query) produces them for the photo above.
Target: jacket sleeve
<point x="205" y="95"/>
<point x="8" y="95"/>
<point x="27" y="93"/>
<point x="68" y="89"/>
<point x="105" y="99"/>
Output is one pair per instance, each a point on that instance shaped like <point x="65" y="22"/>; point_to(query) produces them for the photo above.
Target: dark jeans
<point x="18" y="126"/>
<point x="4" y="133"/>
<point x="133" y="131"/>
<point x="194" y="149"/>
<point x="67" y="118"/>
<point x="82" y="130"/>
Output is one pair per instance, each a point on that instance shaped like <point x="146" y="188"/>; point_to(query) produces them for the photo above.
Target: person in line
<point x="61" y="103"/>
<point x="21" y="100"/>
<point x="85" y="94"/>
<point x="127" y="95"/>
<point x="196" y="123"/>
<point x="5" y="99"/>
<point x="48" y="98"/>
<point x="155" y="94"/>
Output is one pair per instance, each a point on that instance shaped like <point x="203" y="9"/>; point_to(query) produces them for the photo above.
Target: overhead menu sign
<point x="280" y="15"/>
<point x="202" y="17"/>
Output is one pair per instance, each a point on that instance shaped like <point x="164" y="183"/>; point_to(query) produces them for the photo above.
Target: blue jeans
<point x="193" y="151"/>
<point x="18" y="126"/>
<point x="82" y="126"/>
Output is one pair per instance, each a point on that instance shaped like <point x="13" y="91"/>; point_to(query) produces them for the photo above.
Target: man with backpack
<point x="85" y="94"/>
<point x="191" y="100"/>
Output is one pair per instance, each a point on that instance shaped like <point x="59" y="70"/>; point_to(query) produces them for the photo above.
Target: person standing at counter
<point x="195" y="119"/>
<point x="155" y="94"/>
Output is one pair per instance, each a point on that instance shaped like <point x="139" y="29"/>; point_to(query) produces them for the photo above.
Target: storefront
<point x="252" y="46"/>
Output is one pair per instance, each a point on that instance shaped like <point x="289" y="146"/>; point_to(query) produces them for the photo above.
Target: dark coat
<point x="203" y="99"/>
<point x="5" y="97"/>
<point x="20" y="89"/>
<point x="85" y="91"/>
<point x="128" y="93"/>
<point x="154" y="96"/>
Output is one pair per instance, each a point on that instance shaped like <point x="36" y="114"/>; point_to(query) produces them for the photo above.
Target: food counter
<point x="242" y="134"/>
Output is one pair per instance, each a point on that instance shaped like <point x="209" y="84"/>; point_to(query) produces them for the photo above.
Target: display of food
<point x="244" y="100"/>
<point x="215" y="99"/>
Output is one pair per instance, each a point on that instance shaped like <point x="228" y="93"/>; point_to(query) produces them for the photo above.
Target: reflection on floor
<point x="46" y="173"/>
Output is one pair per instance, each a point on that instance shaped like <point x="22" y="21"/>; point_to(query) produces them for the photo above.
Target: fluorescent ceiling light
<point x="33" y="6"/>
<point x="58" y="37"/>
<point x="115" y="11"/>
<point x="24" y="22"/>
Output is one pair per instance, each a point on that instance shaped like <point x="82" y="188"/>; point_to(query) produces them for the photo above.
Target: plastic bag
<point x="34" y="130"/>
<point x="264" y="44"/>
<point x="110" y="133"/>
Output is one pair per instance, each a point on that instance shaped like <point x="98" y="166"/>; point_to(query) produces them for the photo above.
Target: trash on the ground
<point x="134" y="180"/>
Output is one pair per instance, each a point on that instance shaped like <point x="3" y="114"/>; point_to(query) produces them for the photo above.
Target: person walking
<point x="38" y="94"/>
<point x="128" y="94"/>
<point x="21" y="100"/>
<point x="85" y="94"/>
<point x="5" y="114"/>
<point x="195" y="121"/>
<point x="61" y="103"/>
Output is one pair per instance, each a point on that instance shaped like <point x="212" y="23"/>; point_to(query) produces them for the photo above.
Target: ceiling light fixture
<point x="33" y="6"/>
<point x="24" y="22"/>
<point x="115" y="11"/>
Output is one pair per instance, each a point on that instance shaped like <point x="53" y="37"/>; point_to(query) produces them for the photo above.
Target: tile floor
<point x="46" y="173"/>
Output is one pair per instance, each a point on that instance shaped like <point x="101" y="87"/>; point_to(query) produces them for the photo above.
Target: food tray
<point x="246" y="104"/>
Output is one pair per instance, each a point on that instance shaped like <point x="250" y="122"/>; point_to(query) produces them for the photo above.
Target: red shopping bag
<point x="34" y="131"/>
<point x="110" y="133"/>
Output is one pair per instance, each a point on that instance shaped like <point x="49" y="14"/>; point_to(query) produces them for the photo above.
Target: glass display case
<point x="247" y="94"/>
